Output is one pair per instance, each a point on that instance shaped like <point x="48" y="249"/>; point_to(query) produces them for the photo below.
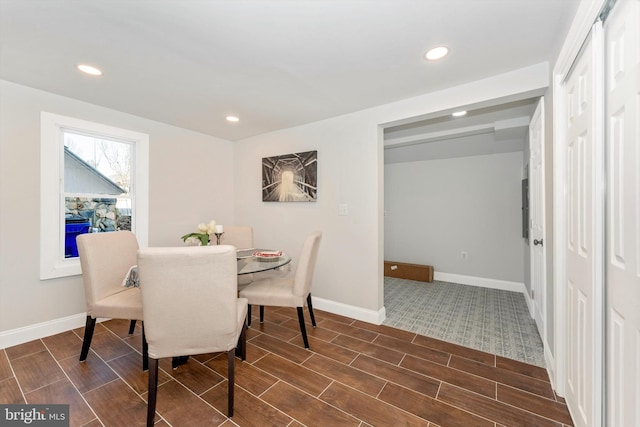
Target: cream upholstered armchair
<point x="287" y="290"/>
<point x="190" y="306"/>
<point x="105" y="259"/>
<point x="240" y="236"/>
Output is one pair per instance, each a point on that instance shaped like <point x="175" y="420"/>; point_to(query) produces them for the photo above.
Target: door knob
<point x="537" y="242"/>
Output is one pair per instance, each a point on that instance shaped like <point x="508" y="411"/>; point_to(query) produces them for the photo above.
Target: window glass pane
<point x="97" y="184"/>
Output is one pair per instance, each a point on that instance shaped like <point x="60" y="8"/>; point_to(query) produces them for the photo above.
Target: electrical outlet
<point x="343" y="209"/>
<point x="464" y="255"/>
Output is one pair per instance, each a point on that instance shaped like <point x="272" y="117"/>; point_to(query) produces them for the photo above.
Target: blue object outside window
<point x="72" y="230"/>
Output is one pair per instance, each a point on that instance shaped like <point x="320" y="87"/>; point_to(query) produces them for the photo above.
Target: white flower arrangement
<point x="203" y="234"/>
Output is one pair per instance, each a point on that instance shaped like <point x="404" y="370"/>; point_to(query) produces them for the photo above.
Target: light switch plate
<point x="343" y="209"/>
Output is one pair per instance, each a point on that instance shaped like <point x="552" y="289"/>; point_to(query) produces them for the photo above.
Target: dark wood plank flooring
<point x="355" y="374"/>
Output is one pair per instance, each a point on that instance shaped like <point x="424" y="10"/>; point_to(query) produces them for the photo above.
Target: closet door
<point x="623" y="214"/>
<point x="584" y="251"/>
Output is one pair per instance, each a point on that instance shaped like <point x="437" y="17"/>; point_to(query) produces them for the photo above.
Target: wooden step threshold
<point x="403" y="270"/>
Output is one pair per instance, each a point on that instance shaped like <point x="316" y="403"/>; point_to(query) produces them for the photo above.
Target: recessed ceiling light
<point x="232" y="119"/>
<point x="89" y="70"/>
<point x="437" y="53"/>
<point x="459" y="113"/>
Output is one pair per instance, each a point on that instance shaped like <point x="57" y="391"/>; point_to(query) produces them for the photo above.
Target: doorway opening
<point x="453" y="199"/>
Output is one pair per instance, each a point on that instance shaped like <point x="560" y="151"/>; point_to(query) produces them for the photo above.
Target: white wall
<point x="351" y="171"/>
<point x="436" y="209"/>
<point x="194" y="177"/>
<point x="191" y="181"/>
<point x="343" y="170"/>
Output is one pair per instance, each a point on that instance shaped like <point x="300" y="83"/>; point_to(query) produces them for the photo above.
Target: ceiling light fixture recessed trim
<point x="437" y="53"/>
<point x="232" y="119"/>
<point x="88" y="69"/>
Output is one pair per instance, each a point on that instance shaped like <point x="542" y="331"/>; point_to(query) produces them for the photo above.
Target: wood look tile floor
<point x="355" y="374"/>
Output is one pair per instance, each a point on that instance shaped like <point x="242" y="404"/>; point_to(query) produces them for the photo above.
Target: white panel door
<point x="622" y="36"/>
<point x="584" y="235"/>
<point x="536" y="214"/>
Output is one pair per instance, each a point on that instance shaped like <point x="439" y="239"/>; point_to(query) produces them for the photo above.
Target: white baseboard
<point x="358" y="313"/>
<point x="529" y="302"/>
<point x="551" y="366"/>
<point x="40" y="330"/>
<point x="480" y="281"/>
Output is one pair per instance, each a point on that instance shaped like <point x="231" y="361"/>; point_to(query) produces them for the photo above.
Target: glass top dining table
<point x="248" y="263"/>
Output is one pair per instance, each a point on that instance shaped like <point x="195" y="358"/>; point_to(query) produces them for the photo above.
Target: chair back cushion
<point x="240" y="236"/>
<point x="105" y="259"/>
<point x="189" y="299"/>
<point x="306" y="265"/>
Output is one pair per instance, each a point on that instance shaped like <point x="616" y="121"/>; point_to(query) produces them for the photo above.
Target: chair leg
<point x="230" y="373"/>
<point x="178" y="361"/>
<point x="313" y="318"/>
<point x="153" y="392"/>
<point x="243" y="353"/>
<point x="262" y="314"/>
<point x="303" y="328"/>
<point x="248" y="315"/>
<point x="241" y="347"/>
<point x="88" y="335"/>
<point x="145" y="351"/>
<point x="132" y="326"/>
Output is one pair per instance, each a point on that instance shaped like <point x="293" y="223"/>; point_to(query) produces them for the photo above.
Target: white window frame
<point x="52" y="126"/>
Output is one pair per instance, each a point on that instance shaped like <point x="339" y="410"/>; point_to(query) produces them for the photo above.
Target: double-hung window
<point x="94" y="179"/>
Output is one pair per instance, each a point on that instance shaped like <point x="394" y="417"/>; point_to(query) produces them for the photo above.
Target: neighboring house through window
<point x="94" y="180"/>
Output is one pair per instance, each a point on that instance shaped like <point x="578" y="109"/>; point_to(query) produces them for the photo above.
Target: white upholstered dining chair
<point x="292" y="289"/>
<point x="190" y="306"/>
<point x="240" y="236"/>
<point x="105" y="259"/>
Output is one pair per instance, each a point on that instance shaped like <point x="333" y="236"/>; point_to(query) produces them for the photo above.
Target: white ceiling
<point x="274" y="63"/>
<point x="501" y="128"/>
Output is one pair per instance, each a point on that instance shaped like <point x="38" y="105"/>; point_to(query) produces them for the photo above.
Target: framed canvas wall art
<point x="290" y="177"/>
